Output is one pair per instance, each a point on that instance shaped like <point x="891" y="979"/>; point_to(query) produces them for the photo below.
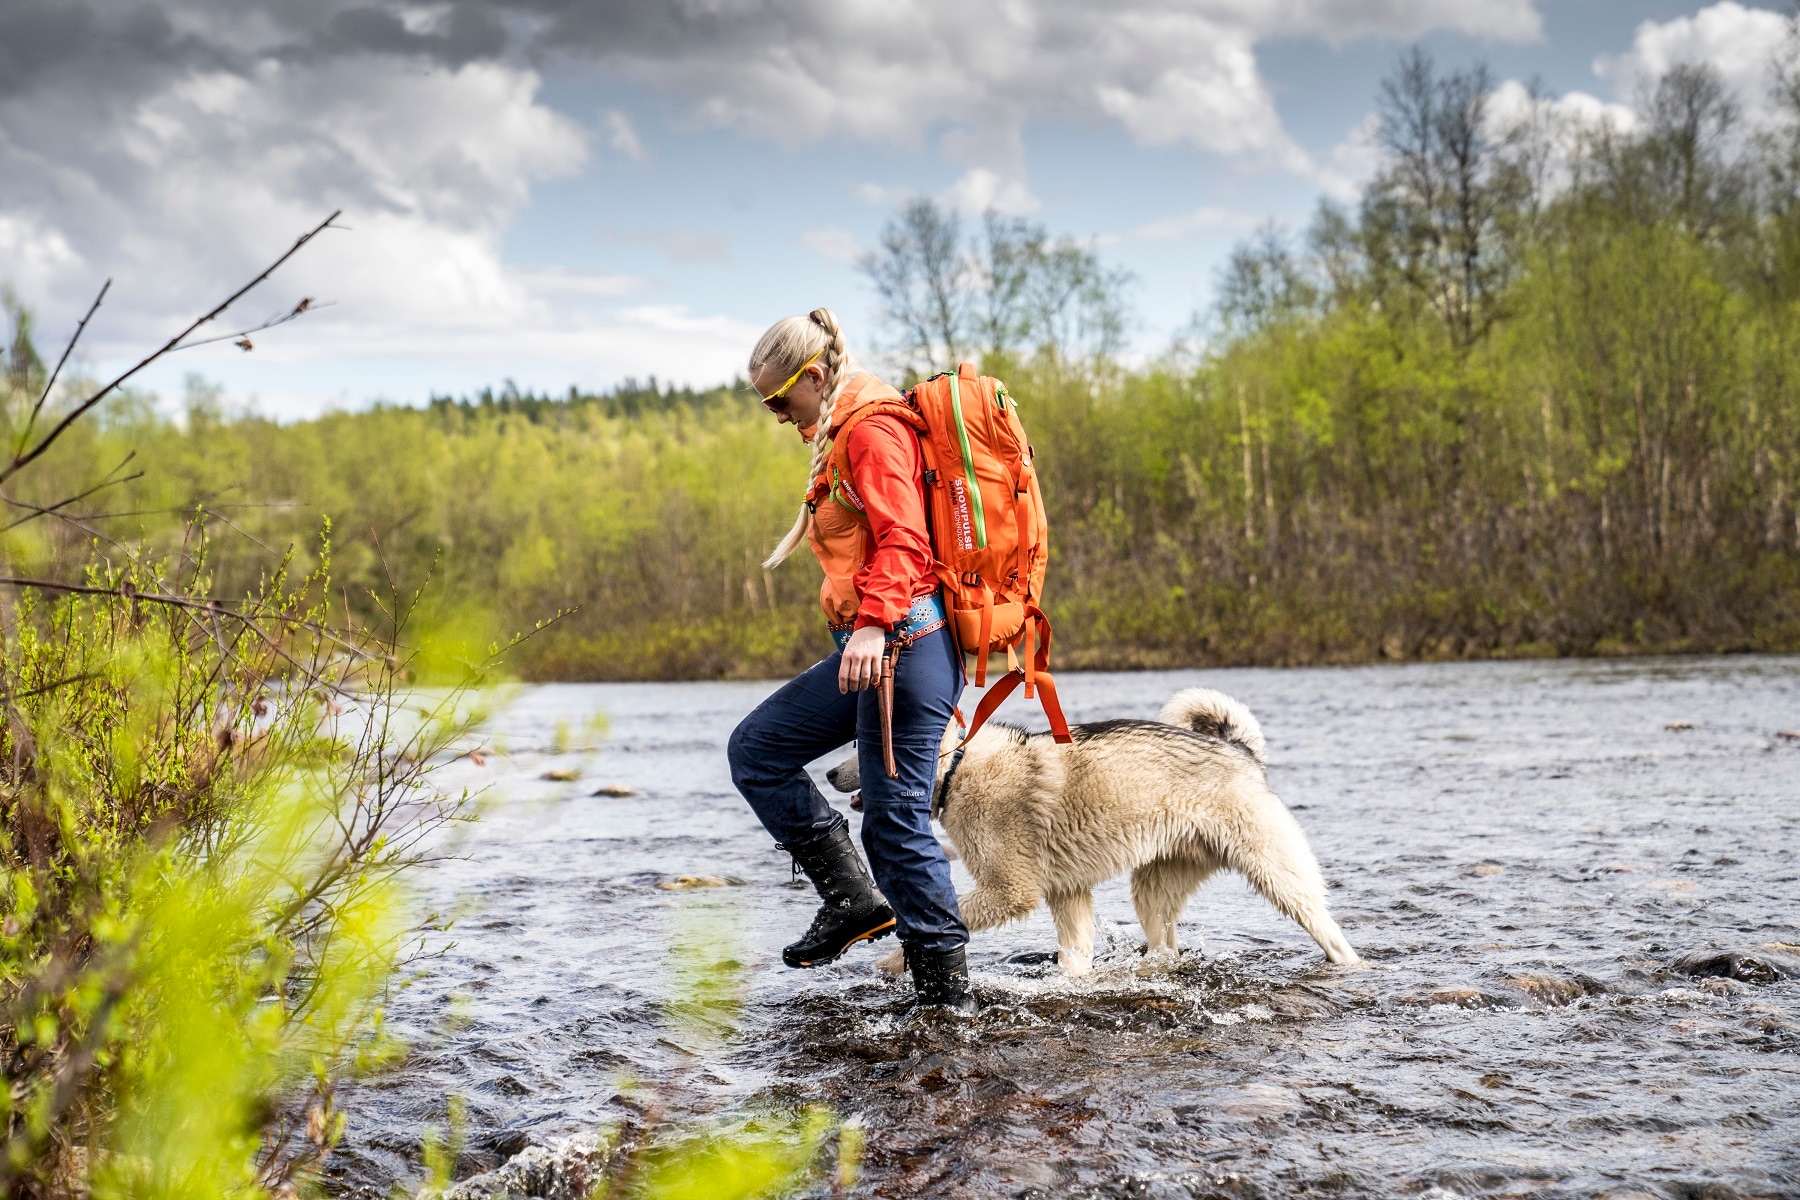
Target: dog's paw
<point x="1075" y="966"/>
<point x="893" y="963"/>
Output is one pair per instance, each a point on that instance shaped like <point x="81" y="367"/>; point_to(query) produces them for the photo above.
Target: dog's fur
<point x="1171" y="800"/>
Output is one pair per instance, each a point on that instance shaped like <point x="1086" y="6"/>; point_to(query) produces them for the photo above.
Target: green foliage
<point x="206" y="807"/>
<point x="207" y="811"/>
<point x="744" y="1161"/>
<point x="649" y="518"/>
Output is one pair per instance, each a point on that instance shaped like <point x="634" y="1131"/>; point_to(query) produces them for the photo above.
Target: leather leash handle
<point x="889" y="657"/>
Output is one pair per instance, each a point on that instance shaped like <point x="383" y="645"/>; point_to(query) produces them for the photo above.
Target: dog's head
<point x="847" y="775"/>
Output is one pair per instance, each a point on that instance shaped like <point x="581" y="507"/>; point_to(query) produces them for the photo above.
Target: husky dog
<point x="1171" y="800"/>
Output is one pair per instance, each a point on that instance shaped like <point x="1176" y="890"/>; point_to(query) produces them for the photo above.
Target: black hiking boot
<point x="941" y="979"/>
<point x="853" y="911"/>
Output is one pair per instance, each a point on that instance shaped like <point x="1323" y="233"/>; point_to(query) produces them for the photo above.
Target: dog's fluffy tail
<point x="1216" y="715"/>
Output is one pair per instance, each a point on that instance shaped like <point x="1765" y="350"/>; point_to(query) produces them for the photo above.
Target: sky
<point x="570" y="192"/>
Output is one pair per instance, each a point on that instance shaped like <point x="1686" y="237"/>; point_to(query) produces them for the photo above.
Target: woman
<point x="868" y="530"/>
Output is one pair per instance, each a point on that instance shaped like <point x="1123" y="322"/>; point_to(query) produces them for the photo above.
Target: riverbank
<point x="718" y="653"/>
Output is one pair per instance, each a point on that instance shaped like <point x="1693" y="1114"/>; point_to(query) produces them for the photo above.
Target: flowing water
<point x="1575" y="884"/>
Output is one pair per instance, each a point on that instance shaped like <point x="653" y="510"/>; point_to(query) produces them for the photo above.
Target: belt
<point x="926" y="615"/>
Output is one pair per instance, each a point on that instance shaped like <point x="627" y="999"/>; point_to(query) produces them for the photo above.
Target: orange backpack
<point x="989" y="535"/>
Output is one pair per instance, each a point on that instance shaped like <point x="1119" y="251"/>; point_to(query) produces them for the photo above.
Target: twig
<point x="209" y="605"/>
<point x="55" y="510"/>
<point x="9" y="697"/>
<point x="22" y="459"/>
<point x="69" y="349"/>
<point x="306" y="305"/>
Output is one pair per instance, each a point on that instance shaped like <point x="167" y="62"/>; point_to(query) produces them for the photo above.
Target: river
<point x="1575" y="883"/>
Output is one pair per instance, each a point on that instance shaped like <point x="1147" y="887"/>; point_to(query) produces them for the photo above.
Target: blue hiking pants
<point x="807" y="718"/>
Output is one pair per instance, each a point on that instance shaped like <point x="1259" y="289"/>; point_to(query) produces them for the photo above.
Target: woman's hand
<point x="861" y="665"/>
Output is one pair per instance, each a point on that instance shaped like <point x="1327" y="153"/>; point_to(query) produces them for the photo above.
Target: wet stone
<point x="1552" y="989"/>
<point x="1748" y="966"/>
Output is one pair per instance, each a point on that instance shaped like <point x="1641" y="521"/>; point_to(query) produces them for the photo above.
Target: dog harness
<point x="940" y="799"/>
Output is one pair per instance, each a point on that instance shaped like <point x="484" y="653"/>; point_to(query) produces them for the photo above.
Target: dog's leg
<point x="990" y="907"/>
<point x="1159" y="891"/>
<point x="986" y="907"/>
<point x="1074" y="914"/>
<point x="1274" y="857"/>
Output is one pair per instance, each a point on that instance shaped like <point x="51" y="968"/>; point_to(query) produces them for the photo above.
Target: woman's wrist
<point x="859" y="665"/>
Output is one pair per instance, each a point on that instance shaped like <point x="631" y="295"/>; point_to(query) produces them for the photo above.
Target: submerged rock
<point x="1764" y="965"/>
<point x="683" y="882"/>
<point x="563" y="1170"/>
<point x="1553" y="990"/>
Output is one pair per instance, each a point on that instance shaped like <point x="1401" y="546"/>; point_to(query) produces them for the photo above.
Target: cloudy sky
<point x="577" y="191"/>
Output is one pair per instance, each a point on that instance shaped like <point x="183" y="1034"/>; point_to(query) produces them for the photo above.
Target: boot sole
<point x="875" y="934"/>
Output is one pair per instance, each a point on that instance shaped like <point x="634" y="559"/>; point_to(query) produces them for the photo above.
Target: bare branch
<point x="31" y="421"/>
<point x="55" y="510"/>
<point x="22" y="460"/>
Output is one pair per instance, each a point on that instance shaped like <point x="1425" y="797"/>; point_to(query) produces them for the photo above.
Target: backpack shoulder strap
<point x="840" y="437"/>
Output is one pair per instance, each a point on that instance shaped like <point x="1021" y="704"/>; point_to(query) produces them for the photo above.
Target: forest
<point x="1534" y="393"/>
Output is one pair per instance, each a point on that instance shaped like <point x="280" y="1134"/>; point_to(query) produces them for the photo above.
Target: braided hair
<point x="788" y="343"/>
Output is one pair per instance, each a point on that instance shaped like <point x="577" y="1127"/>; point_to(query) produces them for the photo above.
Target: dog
<point x="1172" y="801"/>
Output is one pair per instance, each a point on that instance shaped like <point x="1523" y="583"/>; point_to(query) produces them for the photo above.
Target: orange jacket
<point x="869" y="530"/>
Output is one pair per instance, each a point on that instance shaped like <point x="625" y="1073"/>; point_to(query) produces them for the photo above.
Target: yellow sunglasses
<point x="781" y="392"/>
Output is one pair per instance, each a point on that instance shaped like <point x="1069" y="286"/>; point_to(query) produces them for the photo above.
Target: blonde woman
<point x="868" y="529"/>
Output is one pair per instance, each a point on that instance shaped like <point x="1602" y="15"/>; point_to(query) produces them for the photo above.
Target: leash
<point x="926" y="616"/>
<point x="890" y="658"/>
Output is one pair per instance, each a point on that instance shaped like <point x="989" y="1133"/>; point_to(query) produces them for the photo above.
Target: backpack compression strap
<point x="1003" y="687"/>
<point x="1035" y="675"/>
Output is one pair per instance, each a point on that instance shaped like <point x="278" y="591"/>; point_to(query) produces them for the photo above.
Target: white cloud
<point x="1512" y="104"/>
<point x="1178" y="226"/>
<point x="36" y="256"/>
<point x="1740" y="43"/>
<point x="976" y="191"/>
<point x="880" y="195"/>
<point x="184" y="190"/>
<point x="972" y="73"/>
<point x="1352" y="162"/>
<point x="621" y="135"/>
<point x="294" y="376"/>
<point x="832" y="243"/>
<point x="981" y="190"/>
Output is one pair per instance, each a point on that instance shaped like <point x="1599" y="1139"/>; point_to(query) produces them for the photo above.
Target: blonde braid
<point x="834" y="358"/>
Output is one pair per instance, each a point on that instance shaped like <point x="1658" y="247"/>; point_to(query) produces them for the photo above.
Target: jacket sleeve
<point x="887" y="470"/>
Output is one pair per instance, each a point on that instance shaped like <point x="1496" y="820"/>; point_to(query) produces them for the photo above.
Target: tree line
<point x="1531" y="394"/>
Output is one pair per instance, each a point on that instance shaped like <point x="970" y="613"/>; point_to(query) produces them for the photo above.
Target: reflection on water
<point x="1581" y="926"/>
